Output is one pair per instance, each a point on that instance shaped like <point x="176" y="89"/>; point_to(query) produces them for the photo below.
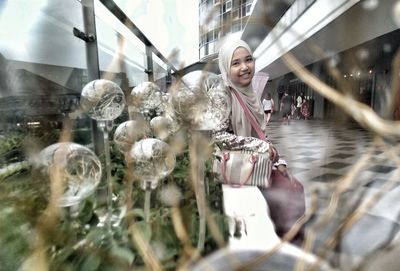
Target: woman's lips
<point x="245" y="75"/>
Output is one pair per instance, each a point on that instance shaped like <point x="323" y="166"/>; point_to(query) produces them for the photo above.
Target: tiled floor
<point x="319" y="153"/>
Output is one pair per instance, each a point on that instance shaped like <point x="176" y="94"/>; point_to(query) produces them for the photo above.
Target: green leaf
<point x="91" y="263"/>
<point x="124" y="255"/>
<point x="137" y="213"/>
<point x="144" y="229"/>
<point x="64" y="254"/>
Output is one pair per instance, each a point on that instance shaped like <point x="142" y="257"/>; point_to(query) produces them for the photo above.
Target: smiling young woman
<point x="242" y="67"/>
<point x="244" y="131"/>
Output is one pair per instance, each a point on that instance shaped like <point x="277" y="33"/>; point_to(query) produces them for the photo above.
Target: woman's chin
<point x="245" y="84"/>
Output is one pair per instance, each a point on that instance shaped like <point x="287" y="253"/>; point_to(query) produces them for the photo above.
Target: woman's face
<point x="242" y="67"/>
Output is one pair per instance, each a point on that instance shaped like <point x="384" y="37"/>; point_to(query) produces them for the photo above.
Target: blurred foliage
<point x="79" y="239"/>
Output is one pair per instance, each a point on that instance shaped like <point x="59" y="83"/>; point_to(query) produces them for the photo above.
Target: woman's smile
<point x="242" y="67"/>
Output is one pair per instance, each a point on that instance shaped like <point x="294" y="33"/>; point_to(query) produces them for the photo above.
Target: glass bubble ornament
<point x="210" y="108"/>
<point x="78" y="167"/>
<point x="146" y="97"/>
<point x="202" y="100"/>
<point x="162" y="127"/>
<point x="187" y="103"/>
<point x="218" y="105"/>
<point x="163" y="107"/>
<point x="152" y="160"/>
<point x="129" y="132"/>
<point x="102" y="100"/>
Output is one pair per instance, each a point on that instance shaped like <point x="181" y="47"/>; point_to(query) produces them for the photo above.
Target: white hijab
<point x="241" y="126"/>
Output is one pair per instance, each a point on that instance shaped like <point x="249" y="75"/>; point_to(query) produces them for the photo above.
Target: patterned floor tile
<point x="297" y="170"/>
<point x="382" y="169"/>
<point x="304" y="160"/>
<point x="341" y="155"/>
<point x="336" y="165"/>
<point x="328" y="177"/>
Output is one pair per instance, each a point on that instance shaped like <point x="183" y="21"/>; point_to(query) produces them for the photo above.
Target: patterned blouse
<point x="226" y="139"/>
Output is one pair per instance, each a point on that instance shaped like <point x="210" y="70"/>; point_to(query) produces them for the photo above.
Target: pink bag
<point x="286" y="200"/>
<point x="238" y="168"/>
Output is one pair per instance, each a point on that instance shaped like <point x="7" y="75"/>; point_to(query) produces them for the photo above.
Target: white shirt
<point x="267" y="104"/>
<point x="299" y="101"/>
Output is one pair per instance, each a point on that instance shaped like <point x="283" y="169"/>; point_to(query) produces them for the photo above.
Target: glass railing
<point x="44" y="62"/>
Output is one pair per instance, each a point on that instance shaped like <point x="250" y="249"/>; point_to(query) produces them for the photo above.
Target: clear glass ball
<point x="129" y="132"/>
<point x="218" y="106"/>
<point x="152" y="160"/>
<point x="102" y="100"/>
<point x="146" y="96"/>
<point x="202" y="100"/>
<point x="162" y="127"/>
<point x="187" y="103"/>
<point x="77" y="167"/>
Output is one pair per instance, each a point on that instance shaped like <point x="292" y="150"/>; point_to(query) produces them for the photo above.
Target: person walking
<point x="286" y="108"/>
<point x="299" y="102"/>
<point x="268" y="106"/>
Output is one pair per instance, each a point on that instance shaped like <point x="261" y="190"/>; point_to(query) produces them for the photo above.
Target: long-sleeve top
<point x="226" y="139"/>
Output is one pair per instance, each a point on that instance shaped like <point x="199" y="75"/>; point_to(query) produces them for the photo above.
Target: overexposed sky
<point x="171" y="25"/>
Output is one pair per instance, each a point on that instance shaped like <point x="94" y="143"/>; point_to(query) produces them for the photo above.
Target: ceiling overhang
<point x="351" y="27"/>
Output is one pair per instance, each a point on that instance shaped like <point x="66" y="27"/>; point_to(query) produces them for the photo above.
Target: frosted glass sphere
<point x="146" y="96"/>
<point x="218" y="105"/>
<point x="162" y="127"/>
<point x="152" y="160"/>
<point x="187" y="103"/>
<point x="77" y="168"/>
<point x="102" y="100"/>
<point x="202" y="100"/>
<point x="199" y="79"/>
<point x="129" y="132"/>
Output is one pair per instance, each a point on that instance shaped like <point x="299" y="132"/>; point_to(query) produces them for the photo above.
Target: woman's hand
<point x="273" y="154"/>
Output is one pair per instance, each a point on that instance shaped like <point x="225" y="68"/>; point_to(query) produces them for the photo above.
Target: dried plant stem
<point x="197" y="157"/>
<point x="144" y="248"/>
<point x="181" y="233"/>
<point x="357" y="214"/>
<point x="342" y="185"/>
<point x="214" y="229"/>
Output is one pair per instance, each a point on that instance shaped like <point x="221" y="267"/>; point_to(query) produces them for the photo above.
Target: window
<point x="217" y="33"/>
<point x="248" y="9"/>
<point x="228" y="5"/>
<point x="236" y="27"/>
<point x="209" y="36"/>
<point x="236" y="14"/>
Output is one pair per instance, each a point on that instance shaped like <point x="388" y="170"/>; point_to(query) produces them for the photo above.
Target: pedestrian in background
<point x="268" y="106"/>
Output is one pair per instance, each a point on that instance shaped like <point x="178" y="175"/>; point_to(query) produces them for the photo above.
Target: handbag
<point x="238" y="168"/>
<point x="286" y="202"/>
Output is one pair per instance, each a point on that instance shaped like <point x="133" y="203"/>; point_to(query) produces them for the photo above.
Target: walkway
<point x="319" y="153"/>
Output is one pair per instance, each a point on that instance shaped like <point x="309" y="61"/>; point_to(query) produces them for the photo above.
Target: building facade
<point x="217" y="19"/>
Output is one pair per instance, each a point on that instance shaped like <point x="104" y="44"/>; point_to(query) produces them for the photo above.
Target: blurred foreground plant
<point x="76" y="238"/>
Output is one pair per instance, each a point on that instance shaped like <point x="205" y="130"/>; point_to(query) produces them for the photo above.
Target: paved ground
<point x="319" y="153"/>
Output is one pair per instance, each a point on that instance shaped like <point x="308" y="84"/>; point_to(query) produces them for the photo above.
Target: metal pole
<point x="92" y="64"/>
